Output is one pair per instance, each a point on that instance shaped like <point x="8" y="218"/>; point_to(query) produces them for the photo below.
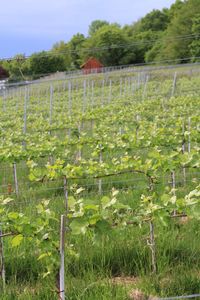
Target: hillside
<point x="110" y="163"/>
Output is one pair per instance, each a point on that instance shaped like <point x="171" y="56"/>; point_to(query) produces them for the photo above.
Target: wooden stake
<point x="92" y="94"/>
<point x="110" y="91"/>
<point x="183" y="151"/>
<point x="2" y="265"/>
<point x="66" y="194"/>
<point x="15" y="179"/>
<point x="174" y="84"/>
<point x="79" y="136"/>
<point x="145" y="87"/>
<point x="100" y="161"/>
<point x="189" y="138"/>
<point x="137" y="128"/>
<point x="84" y="95"/>
<point x="152" y="243"/>
<point x="62" y="259"/>
<point x="153" y="247"/>
<point x="69" y="98"/>
<point x="51" y="104"/>
<point x="102" y="93"/>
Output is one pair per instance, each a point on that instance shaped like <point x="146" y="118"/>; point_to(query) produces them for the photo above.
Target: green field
<point x="118" y="155"/>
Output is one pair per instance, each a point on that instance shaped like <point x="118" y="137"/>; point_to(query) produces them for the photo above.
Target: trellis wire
<point x="103" y="191"/>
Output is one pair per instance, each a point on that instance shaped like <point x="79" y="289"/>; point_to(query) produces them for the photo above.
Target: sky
<point x="28" y="26"/>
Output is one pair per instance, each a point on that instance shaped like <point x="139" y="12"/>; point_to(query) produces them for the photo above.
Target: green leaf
<point x="164" y="218"/>
<point x="43" y="255"/>
<point x="165" y="198"/>
<point x="71" y="202"/>
<point x="13" y="215"/>
<point x="91" y="207"/>
<point x="94" y="219"/>
<point x="79" y="226"/>
<point x="46" y="274"/>
<point x="16" y="241"/>
<point x="107" y="202"/>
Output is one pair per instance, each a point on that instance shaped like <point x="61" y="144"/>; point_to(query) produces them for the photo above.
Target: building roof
<point x="92" y="59"/>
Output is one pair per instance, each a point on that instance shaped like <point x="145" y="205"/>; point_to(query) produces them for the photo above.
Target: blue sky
<point x="27" y="26"/>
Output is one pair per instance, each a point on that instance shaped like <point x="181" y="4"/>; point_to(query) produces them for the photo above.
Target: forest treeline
<point x="160" y="36"/>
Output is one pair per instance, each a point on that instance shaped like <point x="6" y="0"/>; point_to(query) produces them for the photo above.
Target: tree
<point x="96" y="25"/>
<point x="75" y="46"/>
<point x="108" y="44"/>
<point x="144" y="34"/>
<point x="155" y="21"/>
<point x="195" y="45"/>
<point x="177" y="37"/>
<point x="152" y="53"/>
<point x="175" y="8"/>
<point x="44" y="63"/>
<point x="63" y="50"/>
<point x="18" y="68"/>
<point x="144" y="42"/>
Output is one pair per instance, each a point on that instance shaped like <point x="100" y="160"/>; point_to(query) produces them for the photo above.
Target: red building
<point x="92" y="65"/>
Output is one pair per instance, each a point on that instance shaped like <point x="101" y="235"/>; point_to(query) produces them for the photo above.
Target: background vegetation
<point x="161" y="35"/>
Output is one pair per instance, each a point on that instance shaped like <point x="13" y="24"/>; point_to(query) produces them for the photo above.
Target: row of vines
<point x="81" y="148"/>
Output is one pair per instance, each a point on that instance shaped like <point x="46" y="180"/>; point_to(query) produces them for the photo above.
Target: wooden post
<point x="130" y="85"/>
<point x="152" y="243"/>
<point x="110" y="91"/>
<point x="62" y="259"/>
<point x="183" y="151"/>
<point x="145" y="86"/>
<point x="102" y="93"/>
<point x="79" y="136"/>
<point x="25" y="111"/>
<point x="15" y="179"/>
<point x="51" y="160"/>
<point x="173" y="182"/>
<point x="137" y="128"/>
<point x="64" y="86"/>
<point x="69" y="98"/>
<point x="51" y="105"/>
<point x="2" y="265"/>
<point x="133" y="86"/>
<point x="174" y="84"/>
<point x="189" y="138"/>
<point x="120" y="88"/>
<point x="87" y="94"/>
<point x="66" y="194"/>
<point x="92" y="95"/>
<point x="125" y="84"/>
<point x="100" y="161"/>
<point x="25" y="115"/>
<point x="173" y="177"/>
<point x="84" y="95"/>
<point x="153" y="247"/>
<point x="138" y="80"/>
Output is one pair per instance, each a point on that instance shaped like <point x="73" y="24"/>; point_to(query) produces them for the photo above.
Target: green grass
<point x="124" y="254"/>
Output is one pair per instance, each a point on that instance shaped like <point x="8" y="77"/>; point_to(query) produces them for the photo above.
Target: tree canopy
<point x="95" y="25"/>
